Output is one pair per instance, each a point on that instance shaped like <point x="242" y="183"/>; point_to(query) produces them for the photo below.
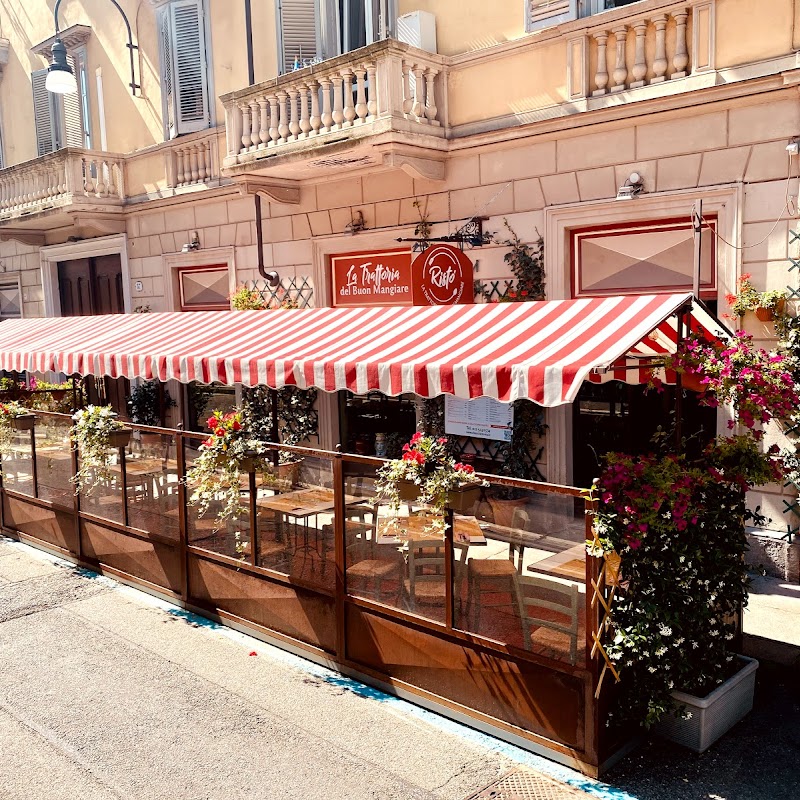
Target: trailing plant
<point x="422" y="230"/>
<point x="144" y="404"/>
<point x="247" y="299"/>
<point x="427" y="463"/>
<point x="91" y="431"/>
<point x="8" y="413"/>
<point x="222" y="460"/>
<point x="748" y="298"/>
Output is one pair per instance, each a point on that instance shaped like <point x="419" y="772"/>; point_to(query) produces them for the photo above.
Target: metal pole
<point x="697" y="223"/>
<point x="183" y="521"/>
<point x="34" y="469"/>
<point x="275" y="434"/>
<point x="253" y="489"/>
<point x="340" y="558"/>
<point x="248" y="33"/>
<point x="679" y="390"/>
<point x="448" y="567"/>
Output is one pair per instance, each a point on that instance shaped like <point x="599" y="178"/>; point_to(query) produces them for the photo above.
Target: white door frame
<point x="116" y="244"/>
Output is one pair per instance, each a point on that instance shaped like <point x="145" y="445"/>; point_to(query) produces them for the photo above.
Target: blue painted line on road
<point x="592" y="787"/>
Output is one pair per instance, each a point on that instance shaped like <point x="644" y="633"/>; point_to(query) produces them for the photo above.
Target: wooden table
<point x="396" y="530"/>
<point x="569" y="563"/>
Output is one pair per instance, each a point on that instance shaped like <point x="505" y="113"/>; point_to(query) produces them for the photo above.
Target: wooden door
<point x="88" y="287"/>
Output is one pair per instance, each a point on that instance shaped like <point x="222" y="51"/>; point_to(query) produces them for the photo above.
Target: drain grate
<point x="527" y="785"/>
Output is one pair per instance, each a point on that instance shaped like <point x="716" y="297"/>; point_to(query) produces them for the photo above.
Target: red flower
<point x="415" y="438"/>
<point x="468" y="468"/>
<point x="237" y="426"/>
<point x="209" y="442"/>
<point x="211" y="422"/>
<point x="442" y="440"/>
<point x="220" y="431"/>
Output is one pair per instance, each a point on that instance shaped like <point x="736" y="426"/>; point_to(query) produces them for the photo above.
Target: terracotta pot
<point x="24" y="422"/>
<point x="767" y="314"/>
<point x="462" y="499"/>
<point x="119" y="437"/>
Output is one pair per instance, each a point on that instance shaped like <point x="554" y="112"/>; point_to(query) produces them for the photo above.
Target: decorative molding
<point x="32" y="238"/>
<point x="430" y="169"/>
<point x="281" y="190"/>
<point x="195" y="258"/>
<point x="73" y="37"/>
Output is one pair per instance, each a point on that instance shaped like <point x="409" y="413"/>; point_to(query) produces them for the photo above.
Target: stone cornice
<point x="73" y="37"/>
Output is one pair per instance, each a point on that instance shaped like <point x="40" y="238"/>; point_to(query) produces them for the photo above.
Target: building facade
<point x="355" y="121"/>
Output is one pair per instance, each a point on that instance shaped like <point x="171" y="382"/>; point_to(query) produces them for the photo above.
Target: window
<point x="205" y="288"/>
<point x="312" y="29"/>
<point x="59" y="119"/>
<point x="184" y="67"/>
<point x="10" y="299"/>
<point x="544" y="13"/>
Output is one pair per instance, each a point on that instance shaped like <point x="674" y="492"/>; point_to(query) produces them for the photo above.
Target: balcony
<point x="384" y="103"/>
<point x="72" y="192"/>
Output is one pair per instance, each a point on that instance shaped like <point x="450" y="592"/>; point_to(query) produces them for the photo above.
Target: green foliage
<point x="747" y="298"/>
<point x="144" y="406"/>
<point x="247" y="299"/>
<point x="91" y="429"/>
<point x="8" y="412"/>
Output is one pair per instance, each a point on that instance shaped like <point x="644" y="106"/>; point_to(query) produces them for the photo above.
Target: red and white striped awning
<point x="542" y="351"/>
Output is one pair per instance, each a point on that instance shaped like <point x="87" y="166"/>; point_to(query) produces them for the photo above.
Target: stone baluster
<point x="102" y="178"/>
<point x="349" y="105"/>
<point x="245" y="109"/>
<point x="372" y="91"/>
<point x="338" y="109"/>
<point x="193" y="164"/>
<point x="263" y="130"/>
<point x="294" y="122"/>
<point x="418" y="109"/>
<point x="430" y="96"/>
<point x="660" y="61"/>
<point x="273" y="121"/>
<point x="88" y="186"/>
<point x="361" y="94"/>
<point x="620" y="73"/>
<point x="681" y="58"/>
<point x="327" y="116"/>
<point x="305" y="115"/>
<point x="111" y="181"/>
<point x="203" y="162"/>
<point x="601" y="76"/>
<point x="180" y="167"/>
<point x="408" y="99"/>
<point x="283" y="124"/>
<point x="255" y="125"/>
<point x="315" y="120"/>
<point x="640" y="61"/>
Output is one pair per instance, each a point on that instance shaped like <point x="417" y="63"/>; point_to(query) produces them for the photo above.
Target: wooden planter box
<point x="24" y="422"/>
<point x="408" y="491"/>
<point x="119" y="438"/>
<point x="462" y="499"/>
<point x="712" y="715"/>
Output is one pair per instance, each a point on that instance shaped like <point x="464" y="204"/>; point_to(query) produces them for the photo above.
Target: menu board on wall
<point x="372" y="279"/>
<point x="482" y="417"/>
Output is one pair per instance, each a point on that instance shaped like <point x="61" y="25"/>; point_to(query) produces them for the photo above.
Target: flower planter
<point x="23" y="422"/>
<point x="463" y="498"/>
<point x="407" y="491"/>
<point x="712" y="715"/>
<point x="119" y="438"/>
<point x="289" y="473"/>
<point x="768" y="314"/>
<point x="58" y="394"/>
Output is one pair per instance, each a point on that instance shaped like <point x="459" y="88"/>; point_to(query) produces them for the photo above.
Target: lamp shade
<point x="60" y="78"/>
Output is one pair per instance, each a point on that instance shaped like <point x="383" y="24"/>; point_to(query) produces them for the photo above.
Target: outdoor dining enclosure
<point x="496" y="622"/>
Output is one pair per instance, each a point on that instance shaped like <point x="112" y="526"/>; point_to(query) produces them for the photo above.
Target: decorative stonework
<point x="73" y="37"/>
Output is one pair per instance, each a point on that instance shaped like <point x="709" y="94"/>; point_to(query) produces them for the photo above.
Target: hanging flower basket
<point x="23" y="422"/>
<point x="769" y="314"/>
<point x="119" y="437"/>
<point x="463" y="497"/>
<point x="407" y="491"/>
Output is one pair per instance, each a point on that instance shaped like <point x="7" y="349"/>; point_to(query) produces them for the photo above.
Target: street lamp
<point x="61" y="78"/>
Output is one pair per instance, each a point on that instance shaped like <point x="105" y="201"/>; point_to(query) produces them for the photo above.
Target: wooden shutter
<point x="166" y="74"/>
<point x="44" y="115"/>
<point x="71" y="116"/>
<point x="189" y="66"/>
<point x="543" y="13"/>
<point x="297" y="32"/>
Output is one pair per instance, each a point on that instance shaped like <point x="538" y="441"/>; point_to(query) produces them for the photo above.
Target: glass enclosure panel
<point x="17" y="464"/>
<point x="102" y="495"/>
<point x="295" y="519"/>
<point x="151" y="481"/>
<point x="519" y="576"/>
<point x="54" y="460"/>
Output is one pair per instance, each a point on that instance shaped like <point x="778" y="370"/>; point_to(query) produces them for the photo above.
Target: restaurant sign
<point x="483" y="417"/>
<point x="372" y="279"/>
<point x="442" y="276"/>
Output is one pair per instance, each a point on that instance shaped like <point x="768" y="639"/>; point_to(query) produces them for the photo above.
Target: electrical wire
<point x="789" y="206"/>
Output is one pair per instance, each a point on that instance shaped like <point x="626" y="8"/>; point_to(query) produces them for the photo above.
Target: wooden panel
<point x="294" y="612"/>
<point x="54" y="527"/>
<point x="154" y="562"/>
<point x="528" y="696"/>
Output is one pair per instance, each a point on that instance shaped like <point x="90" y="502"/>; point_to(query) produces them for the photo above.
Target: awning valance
<point x="542" y="351"/>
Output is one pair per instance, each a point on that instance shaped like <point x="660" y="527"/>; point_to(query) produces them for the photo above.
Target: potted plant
<point x="766" y="305"/>
<point x="95" y="431"/>
<point x="429" y="475"/>
<point x="13" y="417"/>
<point x="229" y="453"/>
<point x="144" y="406"/>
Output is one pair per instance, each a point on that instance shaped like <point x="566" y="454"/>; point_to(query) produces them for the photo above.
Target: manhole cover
<point x="527" y="785"/>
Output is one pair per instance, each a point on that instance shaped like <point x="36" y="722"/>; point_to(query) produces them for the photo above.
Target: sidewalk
<point x="108" y="693"/>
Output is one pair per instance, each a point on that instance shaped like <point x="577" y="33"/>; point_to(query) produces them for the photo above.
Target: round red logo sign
<point x="442" y="276"/>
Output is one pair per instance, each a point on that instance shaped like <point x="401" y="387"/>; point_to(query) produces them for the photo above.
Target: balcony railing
<point x="385" y="86"/>
<point x="67" y="177"/>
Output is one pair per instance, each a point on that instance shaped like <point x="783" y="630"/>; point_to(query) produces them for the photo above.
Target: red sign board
<point x="442" y="276"/>
<point x="372" y="279"/>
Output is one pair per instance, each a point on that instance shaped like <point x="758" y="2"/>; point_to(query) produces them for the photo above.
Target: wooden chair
<point x="374" y="567"/>
<point x="425" y="583"/>
<point x="548" y="609"/>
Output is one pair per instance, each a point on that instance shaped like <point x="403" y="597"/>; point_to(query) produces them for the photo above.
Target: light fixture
<point x="60" y="77"/>
<point x="273" y="279"/>
<point x="793" y="148"/>
<point x="193" y="244"/>
<point x="632" y="187"/>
